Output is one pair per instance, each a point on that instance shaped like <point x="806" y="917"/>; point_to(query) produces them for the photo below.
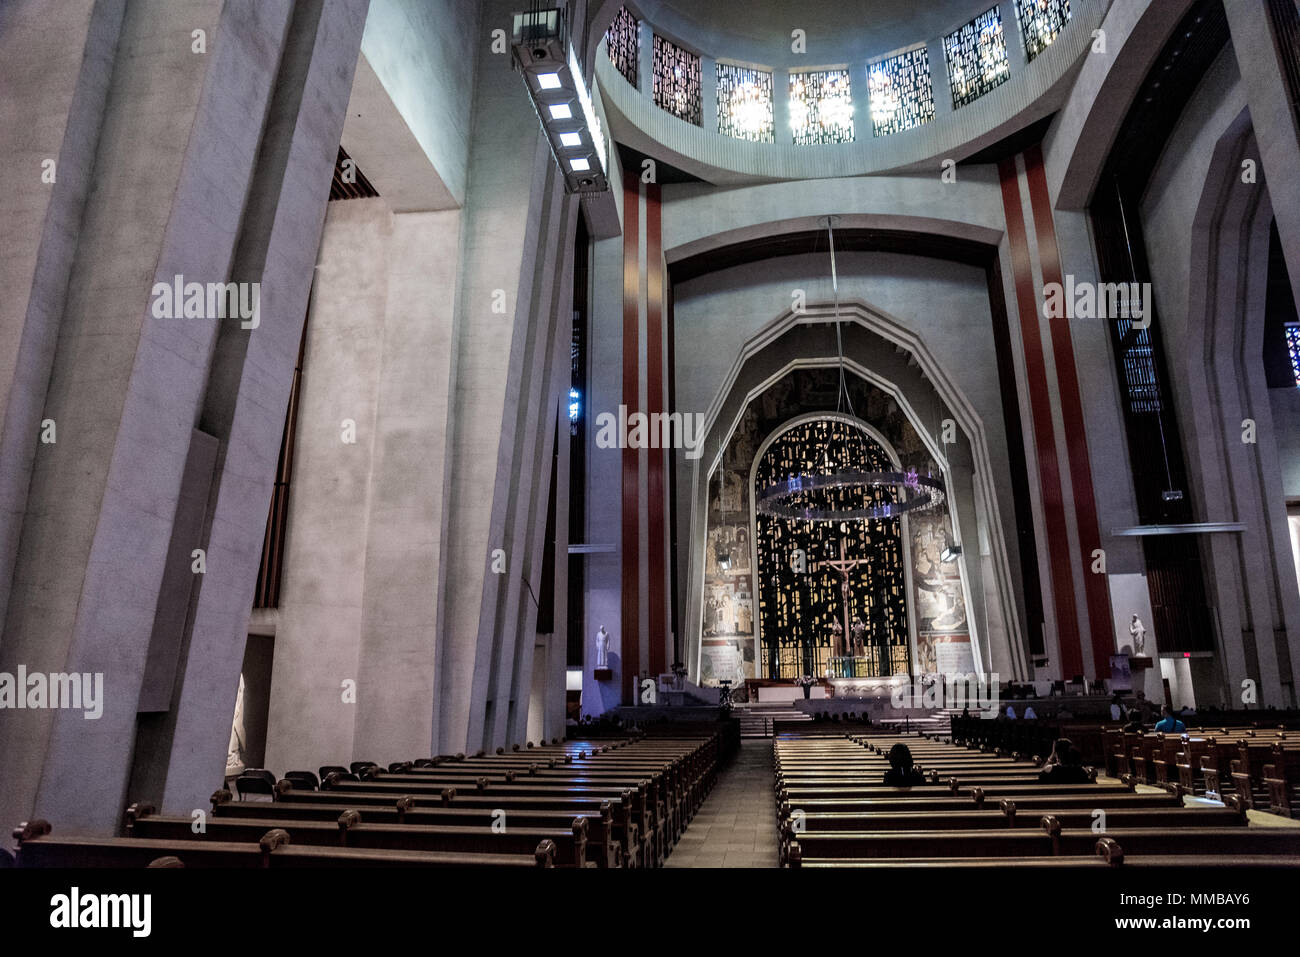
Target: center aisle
<point x="735" y="826"/>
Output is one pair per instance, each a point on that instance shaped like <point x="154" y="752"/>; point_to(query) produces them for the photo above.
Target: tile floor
<point x="736" y="825"/>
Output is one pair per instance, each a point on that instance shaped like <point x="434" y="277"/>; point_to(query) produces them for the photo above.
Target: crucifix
<point x="843" y="565"/>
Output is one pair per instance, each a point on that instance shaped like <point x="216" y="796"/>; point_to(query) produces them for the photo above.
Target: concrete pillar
<point x="781" y="106"/>
<point x="407" y="508"/>
<point x="518" y="228"/>
<point x="252" y="372"/>
<point x="55" y="67"/>
<point x="708" y="94"/>
<point x="604" y="581"/>
<point x="939" y="82"/>
<point x="1273" y="117"/>
<point x="321" y="593"/>
<point x="179" y="191"/>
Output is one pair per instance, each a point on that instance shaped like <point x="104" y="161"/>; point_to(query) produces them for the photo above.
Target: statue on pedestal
<point x="837" y="640"/>
<point x="1138" y="632"/>
<point x="602" y="648"/>
<point x="859" y="636"/>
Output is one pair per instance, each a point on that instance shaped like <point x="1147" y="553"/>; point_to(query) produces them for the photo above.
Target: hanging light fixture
<point x="553" y="77"/>
<point x="809" y="497"/>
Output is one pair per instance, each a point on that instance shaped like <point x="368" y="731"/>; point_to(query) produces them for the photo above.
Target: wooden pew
<point x="1282" y="779"/>
<point x="627" y="832"/>
<point x="603" y="846"/>
<point x="350" y="830"/>
<point x="1050" y="840"/>
<point x="39" y="847"/>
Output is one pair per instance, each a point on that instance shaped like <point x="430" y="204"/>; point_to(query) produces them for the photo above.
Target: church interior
<point x="683" y="435"/>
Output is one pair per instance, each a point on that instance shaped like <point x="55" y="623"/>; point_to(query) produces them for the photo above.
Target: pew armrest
<point x="1108" y="848"/>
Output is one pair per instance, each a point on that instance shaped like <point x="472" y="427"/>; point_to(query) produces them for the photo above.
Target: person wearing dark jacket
<point x="1069" y="771"/>
<point x="901" y="773"/>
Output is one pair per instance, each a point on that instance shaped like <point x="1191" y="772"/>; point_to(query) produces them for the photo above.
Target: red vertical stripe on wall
<point x="1096" y="593"/>
<point x="1049" y="476"/>
<point x="656" y="484"/>
<point x="630" y="639"/>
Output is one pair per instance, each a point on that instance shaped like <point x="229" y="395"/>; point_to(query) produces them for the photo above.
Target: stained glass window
<point x="1040" y="22"/>
<point x="677" y="81"/>
<point x="901" y="94"/>
<point x="977" y="57"/>
<point x="801" y="597"/>
<point x="745" y="103"/>
<point x="821" y="107"/>
<point x="623" y="42"/>
<point x="1293" y="348"/>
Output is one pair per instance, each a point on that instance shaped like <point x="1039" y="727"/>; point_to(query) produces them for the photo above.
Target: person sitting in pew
<point x="1069" y="771"/>
<point x="1135" y="725"/>
<point x="1060" y="748"/>
<point x="1169" y="722"/>
<point x="1117" y="712"/>
<point x="902" y="773"/>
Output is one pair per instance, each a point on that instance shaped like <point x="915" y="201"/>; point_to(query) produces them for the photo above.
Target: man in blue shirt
<point x="1168" y="723"/>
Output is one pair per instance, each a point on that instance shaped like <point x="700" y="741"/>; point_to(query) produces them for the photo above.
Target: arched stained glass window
<point x="801" y="597"/>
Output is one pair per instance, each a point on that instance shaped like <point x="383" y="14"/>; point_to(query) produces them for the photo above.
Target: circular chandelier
<point x="788" y="499"/>
<point x="796" y="497"/>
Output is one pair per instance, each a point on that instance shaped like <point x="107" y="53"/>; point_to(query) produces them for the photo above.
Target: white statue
<point x="1138" y="632"/>
<point x="235" y="755"/>
<point x="602" y="648"/>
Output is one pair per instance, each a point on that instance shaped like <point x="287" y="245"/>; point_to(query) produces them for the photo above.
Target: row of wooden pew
<point x="589" y="803"/>
<point x="981" y="809"/>
<point x="1250" y="767"/>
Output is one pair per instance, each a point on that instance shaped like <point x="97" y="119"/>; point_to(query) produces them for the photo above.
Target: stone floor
<point x="736" y="825"/>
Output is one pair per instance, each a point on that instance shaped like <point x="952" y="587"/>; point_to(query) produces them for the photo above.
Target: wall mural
<point x="728" y="642"/>
<point x="942" y="633"/>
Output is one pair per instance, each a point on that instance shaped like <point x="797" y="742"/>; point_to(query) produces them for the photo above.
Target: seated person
<point x="901" y="773"/>
<point x="1135" y="725"/>
<point x="1169" y="722"/>
<point x="1117" y="708"/>
<point x="1060" y="748"/>
<point x="1069" y="771"/>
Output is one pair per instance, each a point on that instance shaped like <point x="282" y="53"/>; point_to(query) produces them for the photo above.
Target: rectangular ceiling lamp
<point x="553" y="78"/>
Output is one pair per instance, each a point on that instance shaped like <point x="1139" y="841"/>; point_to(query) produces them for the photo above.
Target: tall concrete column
<point x="252" y="372"/>
<point x="407" y="509"/>
<point x="322" y="590"/>
<point x="179" y="191"/>
<point x="1273" y="117"/>
<point x="55" y="68"/>
<point x="517" y="233"/>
